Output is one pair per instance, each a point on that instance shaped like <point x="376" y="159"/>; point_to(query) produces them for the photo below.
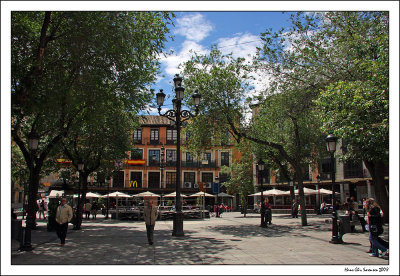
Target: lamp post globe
<point x="331" y="147"/>
<point x="196" y="99"/>
<point x="177" y="81"/>
<point x="33" y="140"/>
<point x="160" y="98"/>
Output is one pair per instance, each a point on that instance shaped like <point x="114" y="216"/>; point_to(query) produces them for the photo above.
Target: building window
<point x="225" y="159"/>
<point x="136" y="154"/>
<point x="154" y="180"/>
<point x="189" y="157"/>
<point x="171" y="136"/>
<point x="154" y="135"/>
<point x="189" y="177"/>
<point x="353" y="169"/>
<point x="154" y="157"/>
<point x="171" y="179"/>
<point x="326" y="168"/>
<point x="207" y="156"/>
<point x="137" y="136"/>
<point x="207" y="177"/>
<point x="171" y="158"/>
<point x="118" y="179"/>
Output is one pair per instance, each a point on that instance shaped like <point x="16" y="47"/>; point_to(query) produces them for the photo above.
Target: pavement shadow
<point x="273" y="230"/>
<point x="112" y="245"/>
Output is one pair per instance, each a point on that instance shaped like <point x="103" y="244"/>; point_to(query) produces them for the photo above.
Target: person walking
<point x="150" y="214"/>
<point x="88" y="209"/>
<point x="42" y="209"/>
<point x="94" y="210"/>
<point x="295" y="209"/>
<point x="375" y="228"/>
<point x="63" y="217"/>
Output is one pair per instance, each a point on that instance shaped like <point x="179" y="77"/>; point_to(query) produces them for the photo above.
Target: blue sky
<point x="236" y="32"/>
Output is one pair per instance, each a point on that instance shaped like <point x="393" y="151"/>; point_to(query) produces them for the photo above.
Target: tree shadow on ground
<point x="124" y="245"/>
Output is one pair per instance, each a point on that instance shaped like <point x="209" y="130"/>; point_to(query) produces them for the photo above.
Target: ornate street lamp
<point x="78" y="210"/>
<point x="331" y="147"/>
<point x="178" y="116"/>
<point x="33" y="144"/>
<point x="260" y="168"/>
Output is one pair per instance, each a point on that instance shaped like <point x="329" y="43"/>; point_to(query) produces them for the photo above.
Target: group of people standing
<point x="90" y="208"/>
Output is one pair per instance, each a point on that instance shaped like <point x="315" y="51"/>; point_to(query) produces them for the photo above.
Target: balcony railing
<point x="190" y="164"/>
<point x="154" y="163"/>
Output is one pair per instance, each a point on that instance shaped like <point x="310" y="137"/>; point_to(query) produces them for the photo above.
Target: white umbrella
<point x="259" y="194"/>
<point x="174" y="195"/>
<point x="117" y="194"/>
<point x="146" y="194"/>
<point x="307" y="191"/>
<point x="202" y="194"/>
<point x="325" y="192"/>
<point x="274" y="192"/>
<point x="90" y="195"/>
<point x="55" y="193"/>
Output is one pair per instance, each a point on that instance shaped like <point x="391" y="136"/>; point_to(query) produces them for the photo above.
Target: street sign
<point x="133" y="184"/>
<point x="215" y="188"/>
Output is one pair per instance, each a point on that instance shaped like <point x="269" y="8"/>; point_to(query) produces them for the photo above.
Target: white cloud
<point x="241" y="45"/>
<point x="193" y="26"/>
<point x="173" y="61"/>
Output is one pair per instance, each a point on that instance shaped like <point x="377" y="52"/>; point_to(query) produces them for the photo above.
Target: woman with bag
<point x="375" y="227"/>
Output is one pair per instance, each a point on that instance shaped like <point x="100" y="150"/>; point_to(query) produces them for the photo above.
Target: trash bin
<point x="344" y="225"/>
<point x="16" y="228"/>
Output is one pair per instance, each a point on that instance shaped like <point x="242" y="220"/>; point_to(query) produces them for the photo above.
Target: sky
<point x="233" y="32"/>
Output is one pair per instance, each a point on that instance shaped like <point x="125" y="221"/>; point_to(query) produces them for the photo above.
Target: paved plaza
<point x="231" y="239"/>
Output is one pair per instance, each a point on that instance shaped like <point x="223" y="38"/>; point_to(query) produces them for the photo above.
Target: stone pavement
<point x="231" y="239"/>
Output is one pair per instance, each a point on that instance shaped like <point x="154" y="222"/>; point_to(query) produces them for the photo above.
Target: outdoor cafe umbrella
<point x="146" y="194"/>
<point x="202" y="194"/>
<point x="323" y="191"/>
<point x="174" y="195"/>
<point x="307" y="191"/>
<point x="273" y="192"/>
<point x="56" y="193"/>
<point x="117" y="195"/>
<point x="222" y="194"/>
<point x="90" y="195"/>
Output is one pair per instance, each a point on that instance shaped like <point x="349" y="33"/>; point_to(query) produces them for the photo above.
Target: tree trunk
<point x="302" y="202"/>
<point x="32" y="197"/>
<point x="83" y="178"/>
<point x="376" y="169"/>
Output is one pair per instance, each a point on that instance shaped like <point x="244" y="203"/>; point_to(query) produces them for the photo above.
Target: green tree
<point x="283" y="122"/>
<point x="102" y="137"/>
<point x="355" y="104"/>
<point x="241" y="180"/>
<point x="64" y="62"/>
